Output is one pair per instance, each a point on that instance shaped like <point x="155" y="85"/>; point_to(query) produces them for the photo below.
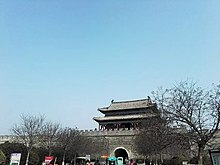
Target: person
<point x="135" y="163"/>
<point x="131" y="162"/>
<point x="88" y="162"/>
<point x="97" y="162"/>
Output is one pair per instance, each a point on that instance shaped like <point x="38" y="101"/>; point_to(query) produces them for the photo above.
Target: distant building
<point x="6" y="138"/>
<point x="120" y="124"/>
<point x="126" y="114"/>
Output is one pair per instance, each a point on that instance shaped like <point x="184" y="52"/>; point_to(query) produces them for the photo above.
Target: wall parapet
<point x="120" y="132"/>
<point x="6" y="138"/>
<point x="91" y="132"/>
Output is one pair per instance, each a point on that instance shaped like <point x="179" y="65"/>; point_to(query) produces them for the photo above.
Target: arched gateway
<point x="121" y="152"/>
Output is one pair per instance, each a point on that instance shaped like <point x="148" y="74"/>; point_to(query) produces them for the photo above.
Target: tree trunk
<point x="200" y="154"/>
<point x="145" y="160"/>
<point x="64" y="155"/>
<point x="75" y="159"/>
<point x="156" y="159"/>
<point x="200" y="159"/>
<point x="161" y="158"/>
<point x="27" y="159"/>
<point x="50" y="152"/>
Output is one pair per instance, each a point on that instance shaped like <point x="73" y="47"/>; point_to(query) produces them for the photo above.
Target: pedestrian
<point x="97" y="162"/>
<point x="88" y="162"/>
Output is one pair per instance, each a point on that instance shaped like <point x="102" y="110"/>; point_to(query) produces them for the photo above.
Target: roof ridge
<point x="127" y="101"/>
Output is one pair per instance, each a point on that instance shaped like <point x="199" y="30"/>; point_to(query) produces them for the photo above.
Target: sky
<point x="65" y="59"/>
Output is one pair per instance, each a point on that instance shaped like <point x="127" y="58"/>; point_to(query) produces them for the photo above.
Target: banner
<point x="48" y="159"/>
<point x="15" y="159"/>
<point x="215" y="156"/>
<point x="87" y="157"/>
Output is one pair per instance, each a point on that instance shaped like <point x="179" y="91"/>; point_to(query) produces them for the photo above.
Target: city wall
<point x="117" y="139"/>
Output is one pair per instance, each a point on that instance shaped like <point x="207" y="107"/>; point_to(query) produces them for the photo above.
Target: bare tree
<point x="156" y="137"/>
<point x="97" y="146"/>
<point x="189" y="105"/>
<point x="49" y="135"/>
<point x="71" y="142"/>
<point x="28" y="132"/>
<point x="64" y="138"/>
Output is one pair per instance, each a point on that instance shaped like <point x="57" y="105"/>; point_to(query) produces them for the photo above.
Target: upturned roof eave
<point x="99" y="119"/>
<point x="103" y="110"/>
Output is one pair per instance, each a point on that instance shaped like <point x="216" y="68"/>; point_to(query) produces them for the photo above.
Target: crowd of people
<point x="131" y="162"/>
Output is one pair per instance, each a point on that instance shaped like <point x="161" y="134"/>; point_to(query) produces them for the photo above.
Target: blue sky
<point x="64" y="59"/>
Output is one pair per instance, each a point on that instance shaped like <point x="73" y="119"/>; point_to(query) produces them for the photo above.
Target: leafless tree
<point x="28" y="132"/>
<point x="193" y="107"/>
<point x="98" y="146"/>
<point x="64" y="138"/>
<point x="79" y="145"/>
<point x="72" y="142"/>
<point x="156" y="137"/>
<point x="49" y="135"/>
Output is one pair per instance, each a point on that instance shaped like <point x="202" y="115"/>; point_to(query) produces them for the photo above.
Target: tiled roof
<point x="134" y="104"/>
<point x="125" y="117"/>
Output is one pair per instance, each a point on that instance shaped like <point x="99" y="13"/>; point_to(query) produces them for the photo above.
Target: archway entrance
<point x="121" y="152"/>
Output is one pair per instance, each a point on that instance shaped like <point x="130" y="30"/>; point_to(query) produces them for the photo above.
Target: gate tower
<point x="121" y="122"/>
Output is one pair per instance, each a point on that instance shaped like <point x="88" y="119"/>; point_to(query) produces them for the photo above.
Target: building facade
<point x="120" y="124"/>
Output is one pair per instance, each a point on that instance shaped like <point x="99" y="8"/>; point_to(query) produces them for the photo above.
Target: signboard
<point x="215" y="156"/>
<point x="87" y="157"/>
<point x="15" y="159"/>
<point x="48" y="159"/>
<point x="104" y="156"/>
